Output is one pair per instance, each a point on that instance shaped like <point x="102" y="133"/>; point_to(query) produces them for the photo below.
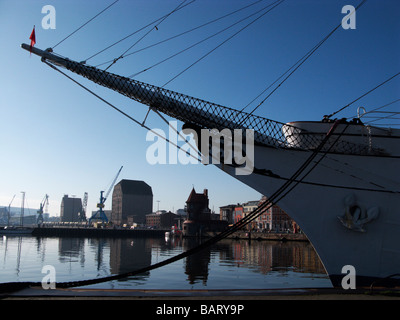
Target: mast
<point x="21" y="221"/>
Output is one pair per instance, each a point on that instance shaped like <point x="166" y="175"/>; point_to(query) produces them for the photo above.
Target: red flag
<point x="32" y="38"/>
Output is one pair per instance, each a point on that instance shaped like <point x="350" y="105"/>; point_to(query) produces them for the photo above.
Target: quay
<point x="259" y="236"/>
<point x="168" y="296"/>
<point x="85" y="231"/>
<point x="268" y="236"/>
<point x="61" y="231"/>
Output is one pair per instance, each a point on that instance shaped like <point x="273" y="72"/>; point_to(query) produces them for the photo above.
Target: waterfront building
<point x="181" y="216"/>
<point x="249" y="207"/>
<point x="238" y="213"/>
<point x="275" y="219"/>
<point x="226" y="213"/>
<point x="70" y="208"/>
<point x="197" y="206"/>
<point x="271" y="219"/>
<point x="132" y="200"/>
<point x="199" y="216"/>
<point x="161" y="220"/>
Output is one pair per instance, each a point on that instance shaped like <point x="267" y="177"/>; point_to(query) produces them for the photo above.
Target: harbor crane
<point x="44" y="202"/>
<point x="99" y="214"/>
<point x="82" y="214"/>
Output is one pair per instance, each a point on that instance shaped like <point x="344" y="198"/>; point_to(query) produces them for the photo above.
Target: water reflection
<point x="196" y="265"/>
<point x="21" y="259"/>
<point x="257" y="256"/>
<point x="129" y="254"/>
<point x="71" y="250"/>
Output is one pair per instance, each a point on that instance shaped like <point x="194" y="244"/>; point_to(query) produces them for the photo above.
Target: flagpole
<point x="33" y="40"/>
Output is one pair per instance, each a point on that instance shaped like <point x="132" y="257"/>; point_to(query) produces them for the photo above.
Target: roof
<point x="135" y="187"/>
<point x="251" y="203"/>
<point x="196" y="197"/>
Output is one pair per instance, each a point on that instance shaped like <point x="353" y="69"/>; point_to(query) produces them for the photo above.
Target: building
<point x="70" y="208"/>
<point x="275" y="219"/>
<point x="199" y="216"/>
<point x="237" y="213"/>
<point x="272" y="219"/>
<point x="249" y="207"/>
<point x="181" y="215"/>
<point x="132" y="200"/>
<point x="197" y="206"/>
<point x="181" y="212"/>
<point x="161" y="220"/>
<point x="226" y="213"/>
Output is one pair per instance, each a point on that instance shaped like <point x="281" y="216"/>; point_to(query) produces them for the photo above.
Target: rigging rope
<point x="393" y="113"/>
<point x="165" y="17"/>
<point x="362" y="96"/>
<point x="86" y="23"/>
<point x="295" y="67"/>
<point x="193" y="29"/>
<point x="278" y="2"/>
<point x="116" y="108"/>
<point x="130" y="35"/>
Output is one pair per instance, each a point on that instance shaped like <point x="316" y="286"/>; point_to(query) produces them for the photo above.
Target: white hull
<point x="372" y="184"/>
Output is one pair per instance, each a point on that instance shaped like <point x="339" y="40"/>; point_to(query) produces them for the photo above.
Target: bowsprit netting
<point x="203" y="114"/>
<point x="208" y="115"/>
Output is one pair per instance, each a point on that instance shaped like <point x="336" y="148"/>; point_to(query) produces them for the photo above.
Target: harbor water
<point x="229" y="264"/>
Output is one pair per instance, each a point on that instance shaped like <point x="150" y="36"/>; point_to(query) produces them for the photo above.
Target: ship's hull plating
<point x="360" y="185"/>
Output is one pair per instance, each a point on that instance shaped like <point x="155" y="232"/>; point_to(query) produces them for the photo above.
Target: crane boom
<point x="82" y="214"/>
<point x="112" y="184"/>
<point x="100" y="205"/>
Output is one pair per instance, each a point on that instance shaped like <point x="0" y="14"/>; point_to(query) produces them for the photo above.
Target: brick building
<point x="163" y="220"/>
<point x="275" y="219"/>
<point x="132" y="200"/>
<point x="238" y="213"/>
<point x="199" y="216"/>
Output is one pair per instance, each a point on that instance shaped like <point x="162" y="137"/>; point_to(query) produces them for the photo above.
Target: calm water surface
<point x="230" y="264"/>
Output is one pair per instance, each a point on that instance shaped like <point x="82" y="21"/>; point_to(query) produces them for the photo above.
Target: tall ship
<point x="338" y="179"/>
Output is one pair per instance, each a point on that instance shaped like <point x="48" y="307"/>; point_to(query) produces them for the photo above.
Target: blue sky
<point x="58" y="139"/>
